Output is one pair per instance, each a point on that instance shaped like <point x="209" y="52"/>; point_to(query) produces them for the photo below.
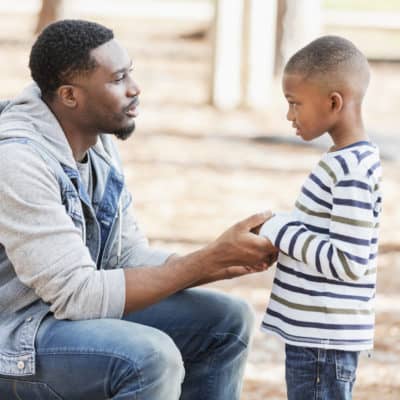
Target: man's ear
<point x="336" y="100"/>
<point x="67" y="95"/>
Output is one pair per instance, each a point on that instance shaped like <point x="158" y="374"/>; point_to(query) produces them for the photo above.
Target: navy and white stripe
<point x="324" y="286"/>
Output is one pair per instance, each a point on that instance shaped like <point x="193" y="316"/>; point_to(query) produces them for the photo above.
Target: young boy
<point x="321" y="303"/>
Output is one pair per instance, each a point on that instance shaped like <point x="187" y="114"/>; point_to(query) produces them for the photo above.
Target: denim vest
<point x="98" y="220"/>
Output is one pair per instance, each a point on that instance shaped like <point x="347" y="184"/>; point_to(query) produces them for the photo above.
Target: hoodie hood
<point x="28" y="116"/>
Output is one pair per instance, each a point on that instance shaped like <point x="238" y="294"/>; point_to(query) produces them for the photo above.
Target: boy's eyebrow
<point x="123" y="69"/>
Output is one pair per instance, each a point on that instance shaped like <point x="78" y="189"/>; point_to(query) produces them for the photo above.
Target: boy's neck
<point x="347" y="132"/>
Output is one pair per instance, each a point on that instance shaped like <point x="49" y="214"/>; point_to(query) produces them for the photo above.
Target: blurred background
<point x="212" y="144"/>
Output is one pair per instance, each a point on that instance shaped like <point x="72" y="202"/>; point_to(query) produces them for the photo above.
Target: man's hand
<point x="240" y="246"/>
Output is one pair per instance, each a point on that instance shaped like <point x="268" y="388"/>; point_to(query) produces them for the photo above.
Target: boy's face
<point x="310" y="106"/>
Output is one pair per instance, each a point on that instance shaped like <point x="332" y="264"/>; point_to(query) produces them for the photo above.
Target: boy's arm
<point x="346" y="253"/>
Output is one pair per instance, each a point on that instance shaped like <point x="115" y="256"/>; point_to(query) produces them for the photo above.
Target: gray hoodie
<point x="61" y="252"/>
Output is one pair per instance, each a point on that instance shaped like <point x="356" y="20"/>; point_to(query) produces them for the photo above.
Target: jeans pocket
<point x="346" y="365"/>
<point x="16" y="389"/>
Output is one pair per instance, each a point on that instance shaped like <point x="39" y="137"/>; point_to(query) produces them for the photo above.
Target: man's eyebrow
<point x="123" y="69"/>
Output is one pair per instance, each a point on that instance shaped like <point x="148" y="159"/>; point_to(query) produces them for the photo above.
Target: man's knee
<point x="160" y="356"/>
<point x="156" y="366"/>
<point x="226" y="315"/>
<point x="240" y="319"/>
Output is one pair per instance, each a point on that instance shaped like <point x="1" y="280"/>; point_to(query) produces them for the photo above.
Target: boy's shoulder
<point x="357" y="160"/>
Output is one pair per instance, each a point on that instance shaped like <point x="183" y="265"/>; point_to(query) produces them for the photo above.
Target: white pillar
<point x="260" y="49"/>
<point x="226" y="90"/>
<point x="301" y="24"/>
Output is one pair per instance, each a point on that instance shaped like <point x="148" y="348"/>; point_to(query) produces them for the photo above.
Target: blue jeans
<point x="318" y="374"/>
<point x="191" y="346"/>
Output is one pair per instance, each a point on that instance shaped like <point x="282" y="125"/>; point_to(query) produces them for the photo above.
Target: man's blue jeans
<point x="318" y="374"/>
<point x="197" y="337"/>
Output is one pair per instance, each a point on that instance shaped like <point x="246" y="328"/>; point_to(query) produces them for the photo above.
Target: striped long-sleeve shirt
<point x="324" y="286"/>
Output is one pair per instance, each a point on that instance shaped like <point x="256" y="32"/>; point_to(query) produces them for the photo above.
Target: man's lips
<point x="131" y="110"/>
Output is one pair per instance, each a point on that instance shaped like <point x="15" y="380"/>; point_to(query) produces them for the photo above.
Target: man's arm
<point x="236" y="246"/>
<point x="48" y="255"/>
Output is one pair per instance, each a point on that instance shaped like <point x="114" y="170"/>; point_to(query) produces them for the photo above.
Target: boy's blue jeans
<point x="197" y="337"/>
<point x="318" y="374"/>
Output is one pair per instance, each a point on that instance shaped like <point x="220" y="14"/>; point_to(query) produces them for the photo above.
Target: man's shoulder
<point x="21" y="160"/>
<point x="16" y="149"/>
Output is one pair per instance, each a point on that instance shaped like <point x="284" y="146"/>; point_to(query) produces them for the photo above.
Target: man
<point x="87" y="309"/>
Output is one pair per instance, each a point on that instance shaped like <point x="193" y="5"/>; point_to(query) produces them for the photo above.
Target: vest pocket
<point x="73" y="207"/>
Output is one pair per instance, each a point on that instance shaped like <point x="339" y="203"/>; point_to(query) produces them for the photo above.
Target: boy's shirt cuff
<point x="271" y="228"/>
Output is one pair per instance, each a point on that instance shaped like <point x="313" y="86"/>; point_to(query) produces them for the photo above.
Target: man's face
<point x="108" y="94"/>
<point x="309" y="106"/>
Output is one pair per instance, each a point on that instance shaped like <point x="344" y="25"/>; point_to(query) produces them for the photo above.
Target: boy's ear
<point x="336" y="101"/>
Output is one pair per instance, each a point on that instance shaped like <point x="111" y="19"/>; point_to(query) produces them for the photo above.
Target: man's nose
<point x="133" y="89"/>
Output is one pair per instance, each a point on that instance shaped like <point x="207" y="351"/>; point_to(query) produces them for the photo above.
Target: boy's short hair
<point x="62" y="51"/>
<point x="334" y="60"/>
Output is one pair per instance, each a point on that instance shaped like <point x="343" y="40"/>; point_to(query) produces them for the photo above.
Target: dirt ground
<point x="194" y="171"/>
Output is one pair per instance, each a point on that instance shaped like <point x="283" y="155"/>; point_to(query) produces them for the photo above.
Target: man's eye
<point x="124" y="75"/>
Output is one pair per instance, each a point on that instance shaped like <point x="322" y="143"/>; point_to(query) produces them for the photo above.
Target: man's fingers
<point x="254" y="221"/>
<point x="236" y="271"/>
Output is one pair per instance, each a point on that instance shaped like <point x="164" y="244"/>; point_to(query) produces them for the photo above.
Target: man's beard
<point x="124" y="133"/>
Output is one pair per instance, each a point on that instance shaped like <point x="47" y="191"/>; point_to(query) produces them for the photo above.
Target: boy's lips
<point x="294" y="126"/>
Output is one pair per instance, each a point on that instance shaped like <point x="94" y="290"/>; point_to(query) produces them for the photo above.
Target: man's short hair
<point x="62" y="51"/>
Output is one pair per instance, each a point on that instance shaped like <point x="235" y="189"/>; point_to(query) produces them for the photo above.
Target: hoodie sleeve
<point x="45" y="247"/>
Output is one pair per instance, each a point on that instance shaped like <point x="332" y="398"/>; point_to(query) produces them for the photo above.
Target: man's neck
<point x="79" y="138"/>
<point x="79" y="142"/>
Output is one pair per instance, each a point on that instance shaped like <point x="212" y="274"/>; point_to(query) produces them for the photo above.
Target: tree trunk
<point x="49" y="13"/>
